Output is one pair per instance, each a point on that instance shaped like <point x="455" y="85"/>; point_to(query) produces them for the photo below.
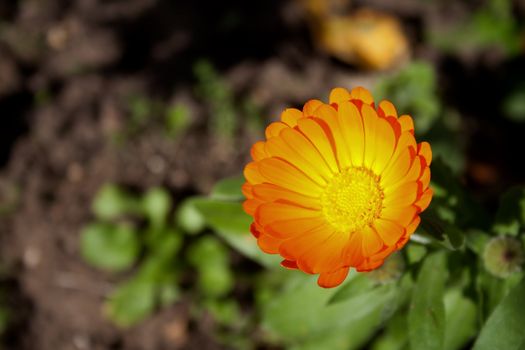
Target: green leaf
<point x="300" y="313"/>
<point x="157" y="204"/>
<point x="188" y="218"/>
<point x="131" y="302"/>
<point x="504" y="328"/>
<point x="353" y="287"/>
<point x="447" y="234"/>
<point x="511" y="212"/>
<point x="395" y="336"/>
<point x="461" y="320"/>
<point x="211" y="259"/>
<point x="230" y="222"/>
<point x="177" y="119"/>
<point x="476" y="241"/>
<point x="112" y="201"/>
<point x="514" y="105"/>
<point x="426" y="318"/>
<point x="110" y="247"/>
<point x="228" y="189"/>
<point x="225" y="312"/>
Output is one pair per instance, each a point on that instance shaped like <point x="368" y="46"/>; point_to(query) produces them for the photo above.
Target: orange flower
<point x="337" y="185"/>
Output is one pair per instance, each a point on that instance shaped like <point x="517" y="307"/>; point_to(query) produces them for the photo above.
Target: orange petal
<point x="289" y="264"/>
<point x="397" y="169"/>
<point x="372" y="243"/>
<point x="284" y="174"/>
<point x="362" y="94"/>
<point x="251" y="205"/>
<point x="390" y="232"/>
<point x="255" y="230"/>
<point x="385" y="145"/>
<point x="369" y="265"/>
<point x="353" y="252"/>
<point x="370" y="120"/>
<point x="272" y="193"/>
<point x="252" y="174"/>
<point x="310" y="107"/>
<point x="425" y="178"/>
<point x="424" y="149"/>
<point x="268" y="244"/>
<point x="293" y="227"/>
<point x="329" y="115"/>
<point x="319" y="139"/>
<point x="339" y="95"/>
<point x="425" y="199"/>
<point x="258" y="152"/>
<point x="299" y="142"/>
<point x="290" y="116"/>
<point x="411" y="228"/>
<point x="351" y="124"/>
<point x="278" y="147"/>
<point x="294" y="247"/>
<point x="401" y="196"/>
<point x="271" y="212"/>
<point x="246" y="189"/>
<point x="274" y="129"/>
<point x="387" y="109"/>
<point x="401" y="215"/>
<point x="407" y="124"/>
<point x="332" y="279"/>
<point x="415" y="171"/>
<point x="327" y="256"/>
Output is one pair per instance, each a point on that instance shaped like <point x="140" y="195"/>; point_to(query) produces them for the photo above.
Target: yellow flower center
<point x="352" y="199"/>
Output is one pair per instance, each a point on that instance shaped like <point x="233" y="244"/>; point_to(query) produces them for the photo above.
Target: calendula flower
<point x="337" y="185"/>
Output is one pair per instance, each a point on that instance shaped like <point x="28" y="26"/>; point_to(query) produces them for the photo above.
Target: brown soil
<point x="83" y="60"/>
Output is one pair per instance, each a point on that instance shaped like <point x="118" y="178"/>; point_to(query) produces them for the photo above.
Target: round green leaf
<point x="157" y="204"/>
<point x="109" y="247"/>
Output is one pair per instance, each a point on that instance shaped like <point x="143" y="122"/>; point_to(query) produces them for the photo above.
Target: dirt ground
<point x="68" y="69"/>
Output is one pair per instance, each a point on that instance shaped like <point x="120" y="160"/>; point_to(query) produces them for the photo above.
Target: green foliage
<point x="413" y="91"/>
<point x="510" y="217"/>
<point x="112" y="202"/>
<point x="211" y="260"/>
<point x="491" y="26"/>
<point x="300" y="313"/>
<point x="460" y="316"/>
<point x="426" y="318"/>
<point x="131" y="303"/>
<point x="219" y="96"/>
<point x="514" y="104"/>
<point x="504" y="328"/>
<point x="113" y="248"/>
<point x="132" y="230"/>
<point x="177" y="120"/>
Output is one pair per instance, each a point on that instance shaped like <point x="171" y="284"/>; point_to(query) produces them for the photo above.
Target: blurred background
<point x="119" y="117"/>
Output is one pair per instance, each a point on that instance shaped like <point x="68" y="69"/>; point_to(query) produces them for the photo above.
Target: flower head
<point x="503" y="256"/>
<point x="337" y="185"/>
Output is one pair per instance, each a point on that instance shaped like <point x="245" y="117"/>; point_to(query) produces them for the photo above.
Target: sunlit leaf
<point x="189" y="218"/>
<point x="131" y="302"/>
<point x="156" y="204"/>
<point x="426" y="318"/>
<point x="230" y="222"/>
<point x="460" y="320"/>
<point x="353" y="287"/>
<point x="111" y="247"/>
<point x="112" y="201"/>
<point x="228" y="189"/>
<point x="504" y="328"/>
<point x="300" y="312"/>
